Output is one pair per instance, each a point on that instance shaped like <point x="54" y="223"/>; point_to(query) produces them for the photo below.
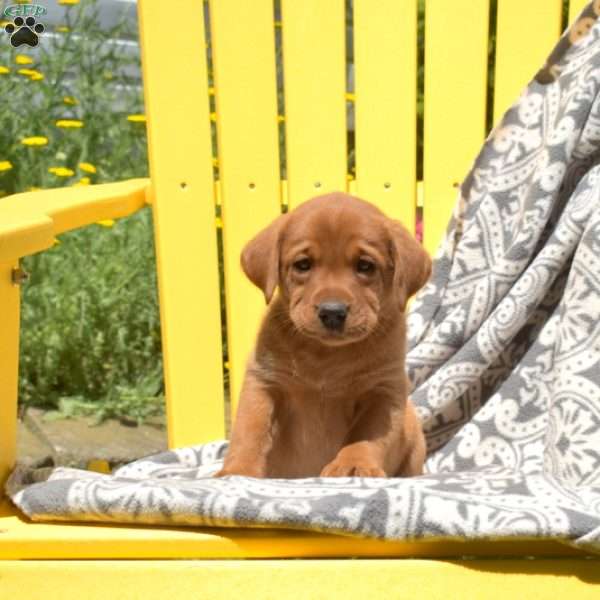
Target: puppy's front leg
<point x="376" y="445"/>
<point x="251" y="438"/>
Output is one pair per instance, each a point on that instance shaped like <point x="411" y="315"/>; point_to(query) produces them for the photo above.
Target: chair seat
<point x="209" y="565"/>
<point x="20" y="538"/>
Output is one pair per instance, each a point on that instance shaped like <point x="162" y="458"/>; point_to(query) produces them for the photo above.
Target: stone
<point x="31" y="451"/>
<point x="76" y="442"/>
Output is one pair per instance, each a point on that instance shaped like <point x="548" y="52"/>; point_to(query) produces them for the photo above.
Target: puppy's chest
<point x="309" y="429"/>
<point x="326" y="382"/>
<point x="320" y="402"/>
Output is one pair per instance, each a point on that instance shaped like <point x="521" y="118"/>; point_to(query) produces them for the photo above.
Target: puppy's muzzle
<point x="333" y="315"/>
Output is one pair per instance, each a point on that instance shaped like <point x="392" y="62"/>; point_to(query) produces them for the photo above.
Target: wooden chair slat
<point x="524" y="33"/>
<point x="385" y="59"/>
<point x="9" y="367"/>
<point x="455" y="104"/>
<point x="176" y="96"/>
<point x="315" y="106"/>
<point x="246" y="98"/>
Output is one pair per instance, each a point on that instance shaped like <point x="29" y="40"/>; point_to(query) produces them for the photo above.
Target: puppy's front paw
<point x="352" y="468"/>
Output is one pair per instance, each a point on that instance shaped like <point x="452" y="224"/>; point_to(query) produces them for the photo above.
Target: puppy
<point x="325" y="392"/>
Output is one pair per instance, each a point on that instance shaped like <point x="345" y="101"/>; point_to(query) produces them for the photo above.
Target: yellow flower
<point x="87" y="167"/>
<point x="70" y="100"/>
<point x="350" y="97"/>
<point x="31" y="73"/>
<point x="136" y="118"/>
<point x="36" y="140"/>
<point x="82" y="181"/>
<point x="5" y="165"/>
<point x="227" y="364"/>
<point x="22" y="59"/>
<point x="69" y="123"/>
<point x="211" y="91"/>
<point x="219" y="222"/>
<point x="213" y="116"/>
<point x="4" y="70"/>
<point x="61" y="171"/>
<point x="62" y="29"/>
<point x="106" y="222"/>
<point x="68" y="2"/>
<point x="215" y="162"/>
<point x="280" y="118"/>
<point x="349" y="177"/>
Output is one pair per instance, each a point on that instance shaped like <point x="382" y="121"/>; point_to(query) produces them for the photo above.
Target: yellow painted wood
<point x="575" y="7"/>
<point x="24" y="233"/>
<point x="385" y="56"/>
<point x="456" y="43"/>
<point x="315" y="106"/>
<point x="22" y="539"/>
<point x="243" y="41"/>
<point x="30" y="221"/>
<point x="180" y="154"/>
<point x="9" y="368"/>
<point x="301" y="580"/>
<point x="525" y="34"/>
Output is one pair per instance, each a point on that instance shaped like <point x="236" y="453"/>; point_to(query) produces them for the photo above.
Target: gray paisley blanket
<point x="504" y="359"/>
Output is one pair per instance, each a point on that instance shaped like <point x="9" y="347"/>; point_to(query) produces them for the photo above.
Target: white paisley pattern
<point x="504" y="363"/>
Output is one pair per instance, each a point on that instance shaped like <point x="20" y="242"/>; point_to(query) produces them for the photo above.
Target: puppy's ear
<point x="412" y="265"/>
<point x="260" y="258"/>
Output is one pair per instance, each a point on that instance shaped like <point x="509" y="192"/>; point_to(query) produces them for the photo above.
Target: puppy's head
<point x="343" y="268"/>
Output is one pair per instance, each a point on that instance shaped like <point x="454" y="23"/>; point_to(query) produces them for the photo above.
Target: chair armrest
<point x="30" y="221"/>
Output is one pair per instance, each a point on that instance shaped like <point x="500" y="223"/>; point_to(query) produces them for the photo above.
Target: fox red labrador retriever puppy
<point x="325" y="391"/>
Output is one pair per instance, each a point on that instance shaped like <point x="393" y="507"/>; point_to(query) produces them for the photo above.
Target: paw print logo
<point x="24" y="31"/>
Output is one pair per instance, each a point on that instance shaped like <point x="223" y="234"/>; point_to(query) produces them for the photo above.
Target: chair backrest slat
<point x="176" y="97"/>
<point x="385" y="62"/>
<point x="314" y="68"/>
<point x="456" y="66"/>
<point x="524" y="33"/>
<point x="243" y="41"/>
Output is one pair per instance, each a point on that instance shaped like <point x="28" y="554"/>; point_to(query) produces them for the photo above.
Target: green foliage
<point x="90" y="325"/>
<point x="125" y="403"/>
<point x="90" y="335"/>
<point x="82" y="66"/>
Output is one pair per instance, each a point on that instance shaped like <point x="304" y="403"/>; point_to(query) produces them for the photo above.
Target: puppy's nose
<point x="333" y="314"/>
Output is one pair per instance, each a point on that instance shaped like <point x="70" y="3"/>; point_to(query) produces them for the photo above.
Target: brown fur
<point x="321" y="402"/>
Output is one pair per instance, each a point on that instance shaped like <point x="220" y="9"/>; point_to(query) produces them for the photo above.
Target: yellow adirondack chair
<point x="52" y="560"/>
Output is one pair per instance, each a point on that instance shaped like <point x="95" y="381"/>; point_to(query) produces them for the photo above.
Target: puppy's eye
<point x="366" y="267"/>
<point x="302" y="265"/>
